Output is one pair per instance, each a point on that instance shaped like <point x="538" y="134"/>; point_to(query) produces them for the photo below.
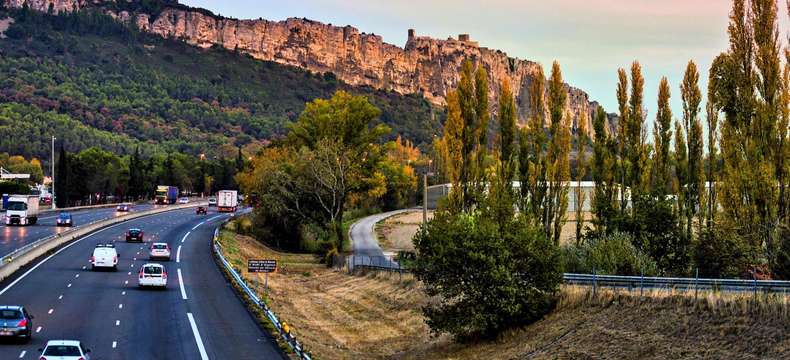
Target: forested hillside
<point x="92" y="81"/>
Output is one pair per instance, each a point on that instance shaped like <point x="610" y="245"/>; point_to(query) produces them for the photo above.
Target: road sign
<point x="261" y="265"/>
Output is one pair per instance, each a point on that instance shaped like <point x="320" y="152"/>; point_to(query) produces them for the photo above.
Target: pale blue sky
<point x="590" y="38"/>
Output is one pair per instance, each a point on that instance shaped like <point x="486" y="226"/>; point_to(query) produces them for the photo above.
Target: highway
<point x="198" y="316"/>
<point x="14" y="237"/>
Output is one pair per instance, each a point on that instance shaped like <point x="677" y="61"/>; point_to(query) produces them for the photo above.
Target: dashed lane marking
<point x="50" y="311"/>
<point x="120" y="306"/>
<point x="114" y="344"/>
<point x="185" y="236"/>
<point x="117" y="322"/>
<point x="38" y="329"/>
<point x="198" y="340"/>
<point x="178" y="254"/>
<point x="21" y="355"/>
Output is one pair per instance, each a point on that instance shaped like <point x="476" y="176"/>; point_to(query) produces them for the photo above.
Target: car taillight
<point x="115" y="258"/>
<point x="22" y="323"/>
<point x="42" y="358"/>
<point x="164" y="275"/>
<point x="128" y="233"/>
<point x="93" y="258"/>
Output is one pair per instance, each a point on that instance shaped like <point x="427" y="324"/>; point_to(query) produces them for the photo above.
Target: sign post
<point x="262" y="266"/>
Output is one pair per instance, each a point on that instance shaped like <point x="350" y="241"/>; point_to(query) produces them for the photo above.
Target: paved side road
<point x="198" y="316"/>
<point x="363" y="236"/>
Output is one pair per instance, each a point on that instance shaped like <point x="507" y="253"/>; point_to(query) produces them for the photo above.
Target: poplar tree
<point x="662" y="134"/>
<point x="712" y="112"/>
<point x="681" y="174"/>
<point x="692" y="97"/>
<point x="532" y="155"/>
<point x="507" y="131"/>
<point x="635" y="141"/>
<point x="604" y="164"/>
<point x="622" y="134"/>
<point x="581" y="171"/>
<point x="557" y="156"/>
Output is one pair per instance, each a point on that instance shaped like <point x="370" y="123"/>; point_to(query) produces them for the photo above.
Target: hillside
<point x="91" y="81"/>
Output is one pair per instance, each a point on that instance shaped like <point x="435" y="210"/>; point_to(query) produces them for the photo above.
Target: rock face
<point x="425" y="65"/>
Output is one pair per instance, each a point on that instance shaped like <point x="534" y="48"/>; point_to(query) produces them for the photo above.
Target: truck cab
<point x="22" y="210"/>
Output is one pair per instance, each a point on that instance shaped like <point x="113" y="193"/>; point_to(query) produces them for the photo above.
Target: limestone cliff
<point x="425" y="65"/>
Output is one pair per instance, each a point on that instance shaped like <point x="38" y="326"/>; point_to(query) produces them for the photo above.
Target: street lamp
<point x="52" y="173"/>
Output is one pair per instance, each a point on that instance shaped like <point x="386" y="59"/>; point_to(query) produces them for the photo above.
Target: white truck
<point x="22" y="210"/>
<point x="227" y="200"/>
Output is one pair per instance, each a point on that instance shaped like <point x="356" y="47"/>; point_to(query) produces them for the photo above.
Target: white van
<point x="152" y="275"/>
<point x="104" y="257"/>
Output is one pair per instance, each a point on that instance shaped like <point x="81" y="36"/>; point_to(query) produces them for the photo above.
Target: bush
<point x="486" y="279"/>
<point x="781" y="264"/>
<point x="613" y="254"/>
<point x="721" y="253"/>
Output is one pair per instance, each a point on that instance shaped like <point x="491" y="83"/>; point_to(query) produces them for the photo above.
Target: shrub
<point x="613" y="254"/>
<point x="485" y="279"/>
<point x="781" y="264"/>
<point x="721" y="253"/>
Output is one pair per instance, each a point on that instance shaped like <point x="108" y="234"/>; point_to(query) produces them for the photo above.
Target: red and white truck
<point x="227" y="200"/>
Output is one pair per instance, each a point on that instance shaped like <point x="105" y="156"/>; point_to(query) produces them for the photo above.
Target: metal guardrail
<point x="683" y="284"/>
<point x="289" y="339"/>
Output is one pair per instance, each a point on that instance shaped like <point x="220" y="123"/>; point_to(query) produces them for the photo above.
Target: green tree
<point x="63" y="179"/>
<point x="662" y="133"/>
<point x="695" y="180"/>
<point x="604" y="173"/>
<point x="533" y="166"/>
<point x="581" y="171"/>
<point x="557" y="154"/>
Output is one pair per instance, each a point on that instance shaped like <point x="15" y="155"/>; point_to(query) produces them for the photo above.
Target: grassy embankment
<point x="342" y="316"/>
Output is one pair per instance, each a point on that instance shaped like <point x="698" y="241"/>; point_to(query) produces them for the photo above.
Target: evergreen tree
<point x="532" y="155"/>
<point x="581" y="172"/>
<point x="622" y="135"/>
<point x="507" y="131"/>
<point x="63" y="179"/>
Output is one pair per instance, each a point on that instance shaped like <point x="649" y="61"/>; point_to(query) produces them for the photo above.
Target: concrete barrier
<point x="26" y="254"/>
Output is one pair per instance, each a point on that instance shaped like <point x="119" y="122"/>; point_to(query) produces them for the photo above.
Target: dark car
<point x="134" y="235"/>
<point x="15" y="322"/>
<point x="64" y="219"/>
<point x="123" y="207"/>
<point x="201" y="210"/>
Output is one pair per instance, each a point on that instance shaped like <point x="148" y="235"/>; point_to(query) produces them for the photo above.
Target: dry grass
<point x="395" y="233"/>
<point x="339" y="316"/>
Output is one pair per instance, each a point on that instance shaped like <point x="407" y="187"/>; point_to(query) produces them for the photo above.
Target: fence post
<point x="641" y="283"/>
<point x="696" y="283"/>
<point x="595" y="282"/>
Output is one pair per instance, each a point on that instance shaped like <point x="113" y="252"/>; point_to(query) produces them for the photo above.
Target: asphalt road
<point x="14" y="237"/>
<point x="365" y="244"/>
<point x="201" y="319"/>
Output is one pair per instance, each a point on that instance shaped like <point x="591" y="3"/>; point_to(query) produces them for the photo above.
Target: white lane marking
<point x="114" y="343"/>
<point x="117" y="322"/>
<point x="185" y="236"/>
<point x="178" y="254"/>
<point x="120" y="306"/>
<point x="198" y="340"/>
<point x="214" y="218"/>
<point x="181" y="285"/>
<point x="22" y="354"/>
<point x="196" y="226"/>
<point x="69" y="285"/>
<point x="58" y="252"/>
<point x="38" y="329"/>
<point x="134" y="259"/>
<point x="126" y="282"/>
<point x="84" y="267"/>
<point x="50" y="311"/>
<point x="123" y="292"/>
<point x="76" y="276"/>
<point x="60" y="297"/>
<point x="129" y="273"/>
<point x="131" y="265"/>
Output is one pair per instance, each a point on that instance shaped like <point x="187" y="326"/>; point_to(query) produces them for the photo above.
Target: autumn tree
<point x="532" y="155"/>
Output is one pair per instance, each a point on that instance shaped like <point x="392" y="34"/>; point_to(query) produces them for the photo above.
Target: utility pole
<point x="52" y="173"/>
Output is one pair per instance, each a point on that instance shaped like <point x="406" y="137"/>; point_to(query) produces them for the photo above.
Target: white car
<point x="212" y="201"/>
<point x="152" y="275"/>
<point x="65" y="350"/>
<point x="159" y="251"/>
<point x="104" y="256"/>
<point x="183" y="200"/>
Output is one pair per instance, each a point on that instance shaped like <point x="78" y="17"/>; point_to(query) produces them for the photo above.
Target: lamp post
<point x="52" y="173"/>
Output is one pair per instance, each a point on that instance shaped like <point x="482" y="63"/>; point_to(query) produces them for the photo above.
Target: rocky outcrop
<point x="424" y="65"/>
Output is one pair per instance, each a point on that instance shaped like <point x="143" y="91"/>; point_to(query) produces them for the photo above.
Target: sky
<point x="590" y="38"/>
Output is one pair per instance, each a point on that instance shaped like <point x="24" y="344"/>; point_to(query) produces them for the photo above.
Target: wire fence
<point x="285" y="334"/>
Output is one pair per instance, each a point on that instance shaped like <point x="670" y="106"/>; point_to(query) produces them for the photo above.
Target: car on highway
<point x="64" y="219"/>
<point x="15" y="322"/>
<point x="134" y="234"/>
<point x="201" y="210"/>
<point x="212" y="201"/>
<point x="183" y="200"/>
<point x="152" y="274"/>
<point x="123" y="208"/>
<point x="65" y="350"/>
<point x="104" y="257"/>
<point x="159" y="251"/>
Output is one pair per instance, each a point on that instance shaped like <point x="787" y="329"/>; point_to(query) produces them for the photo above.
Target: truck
<point x="227" y="200"/>
<point x="166" y="195"/>
<point x="22" y="210"/>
